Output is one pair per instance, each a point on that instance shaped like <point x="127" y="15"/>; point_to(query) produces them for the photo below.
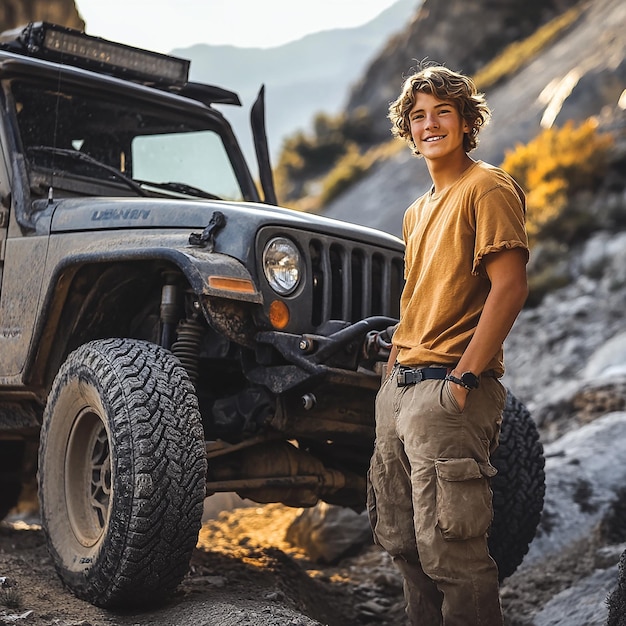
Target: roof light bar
<point x="73" y="47"/>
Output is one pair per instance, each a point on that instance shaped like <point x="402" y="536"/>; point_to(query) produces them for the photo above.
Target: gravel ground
<point x="244" y="573"/>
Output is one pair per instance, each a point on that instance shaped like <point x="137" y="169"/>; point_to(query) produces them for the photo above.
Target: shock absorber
<point x="187" y="346"/>
<point x="170" y="312"/>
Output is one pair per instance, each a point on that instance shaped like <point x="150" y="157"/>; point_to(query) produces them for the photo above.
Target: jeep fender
<point x="211" y="275"/>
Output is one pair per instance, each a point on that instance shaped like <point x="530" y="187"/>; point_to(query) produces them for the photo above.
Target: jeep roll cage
<point x="69" y="59"/>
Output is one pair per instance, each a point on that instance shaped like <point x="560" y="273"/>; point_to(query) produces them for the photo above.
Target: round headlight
<point x="282" y="265"/>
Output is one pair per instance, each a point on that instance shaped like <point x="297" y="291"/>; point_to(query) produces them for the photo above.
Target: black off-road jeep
<point x="166" y="333"/>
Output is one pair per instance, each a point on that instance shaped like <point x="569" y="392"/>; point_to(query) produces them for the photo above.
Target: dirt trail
<point x="243" y="573"/>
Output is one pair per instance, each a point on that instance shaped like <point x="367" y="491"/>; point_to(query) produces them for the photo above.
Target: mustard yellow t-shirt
<point x="447" y="234"/>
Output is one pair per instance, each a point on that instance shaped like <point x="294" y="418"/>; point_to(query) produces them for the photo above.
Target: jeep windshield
<point x="92" y="142"/>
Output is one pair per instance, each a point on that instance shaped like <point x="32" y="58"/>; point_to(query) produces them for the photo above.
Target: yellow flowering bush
<point x="552" y="168"/>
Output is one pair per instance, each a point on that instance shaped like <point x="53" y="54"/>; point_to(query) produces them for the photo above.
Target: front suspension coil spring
<point x="187" y="346"/>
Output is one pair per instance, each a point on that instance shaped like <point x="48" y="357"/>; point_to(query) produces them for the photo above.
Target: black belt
<point x="409" y="376"/>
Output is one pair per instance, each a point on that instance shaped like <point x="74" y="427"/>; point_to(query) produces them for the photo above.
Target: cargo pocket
<point x="464" y="497"/>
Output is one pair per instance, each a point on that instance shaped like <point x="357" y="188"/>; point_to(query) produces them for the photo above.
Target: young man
<point x="439" y="410"/>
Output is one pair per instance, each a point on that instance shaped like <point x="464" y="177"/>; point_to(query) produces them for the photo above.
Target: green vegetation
<point x="309" y="157"/>
<point x="353" y="166"/>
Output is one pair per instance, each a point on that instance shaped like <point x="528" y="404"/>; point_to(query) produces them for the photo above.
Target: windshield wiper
<point x="82" y="156"/>
<point x="188" y="190"/>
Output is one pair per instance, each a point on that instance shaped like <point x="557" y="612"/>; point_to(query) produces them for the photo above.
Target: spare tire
<point x="518" y="487"/>
<point x="122" y="472"/>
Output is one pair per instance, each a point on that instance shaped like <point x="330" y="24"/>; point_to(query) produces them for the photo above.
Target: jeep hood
<point x="242" y="219"/>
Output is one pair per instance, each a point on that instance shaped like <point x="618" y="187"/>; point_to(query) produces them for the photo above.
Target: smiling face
<point x="437" y="128"/>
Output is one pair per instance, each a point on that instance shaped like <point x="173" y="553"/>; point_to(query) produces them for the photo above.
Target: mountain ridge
<point x="302" y="78"/>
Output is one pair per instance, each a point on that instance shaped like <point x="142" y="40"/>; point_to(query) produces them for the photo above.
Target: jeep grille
<point x="352" y="281"/>
<point x="344" y="279"/>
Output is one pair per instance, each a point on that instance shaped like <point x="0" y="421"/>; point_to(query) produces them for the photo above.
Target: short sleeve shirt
<point x="447" y="235"/>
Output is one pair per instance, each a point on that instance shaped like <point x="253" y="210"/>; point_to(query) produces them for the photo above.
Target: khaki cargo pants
<point x="429" y="499"/>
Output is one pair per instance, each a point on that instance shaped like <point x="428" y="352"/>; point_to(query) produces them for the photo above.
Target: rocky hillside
<point x="566" y="357"/>
<point x="463" y="35"/>
<point x="580" y="73"/>
<point x="14" y="13"/>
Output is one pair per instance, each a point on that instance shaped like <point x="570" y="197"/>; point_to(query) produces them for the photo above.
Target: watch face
<point x="470" y="379"/>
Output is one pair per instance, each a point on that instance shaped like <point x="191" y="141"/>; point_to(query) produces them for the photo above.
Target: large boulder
<point x="585" y="469"/>
<point x="326" y="532"/>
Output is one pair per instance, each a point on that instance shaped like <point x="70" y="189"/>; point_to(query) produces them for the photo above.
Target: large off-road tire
<point x="122" y="472"/>
<point x="616" y="601"/>
<point x="518" y="487"/>
<point x="11" y="460"/>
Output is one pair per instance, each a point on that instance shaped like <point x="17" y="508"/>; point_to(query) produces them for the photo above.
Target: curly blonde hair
<point x="444" y="84"/>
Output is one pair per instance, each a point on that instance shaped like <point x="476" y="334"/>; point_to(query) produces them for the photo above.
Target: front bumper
<point x="336" y="357"/>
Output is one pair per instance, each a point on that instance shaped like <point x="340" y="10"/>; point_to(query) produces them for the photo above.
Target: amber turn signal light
<point x="279" y="314"/>
<point x="238" y="285"/>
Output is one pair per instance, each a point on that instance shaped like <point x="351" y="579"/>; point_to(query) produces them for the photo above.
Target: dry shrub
<point x="351" y="167"/>
<point x="519" y="53"/>
<point x="553" y="168"/>
<point x="307" y="157"/>
<point x="10" y="598"/>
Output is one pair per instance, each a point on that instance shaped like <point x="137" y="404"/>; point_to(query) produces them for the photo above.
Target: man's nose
<point x="431" y="121"/>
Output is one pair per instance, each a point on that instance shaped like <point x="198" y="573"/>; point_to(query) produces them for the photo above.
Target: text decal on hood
<point x="120" y="214"/>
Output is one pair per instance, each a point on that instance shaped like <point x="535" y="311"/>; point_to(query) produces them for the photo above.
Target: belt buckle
<point x="418" y="375"/>
<point x="409" y="377"/>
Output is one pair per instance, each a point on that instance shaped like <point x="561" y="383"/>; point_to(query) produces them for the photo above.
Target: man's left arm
<point x="509" y="289"/>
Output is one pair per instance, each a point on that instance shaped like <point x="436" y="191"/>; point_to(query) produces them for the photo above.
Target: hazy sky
<point x="162" y="25"/>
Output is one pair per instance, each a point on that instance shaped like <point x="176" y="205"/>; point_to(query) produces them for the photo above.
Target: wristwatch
<point x="469" y="380"/>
